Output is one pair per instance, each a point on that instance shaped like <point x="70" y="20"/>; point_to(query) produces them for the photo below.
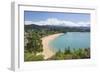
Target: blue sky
<point x="38" y="17"/>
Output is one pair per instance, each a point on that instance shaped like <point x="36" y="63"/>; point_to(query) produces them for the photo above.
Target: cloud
<point x="28" y="22"/>
<point x="84" y="23"/>
<point x="55" y="21"/>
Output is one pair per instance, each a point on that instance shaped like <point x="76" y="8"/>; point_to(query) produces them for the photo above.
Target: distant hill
<point x="56" y="28"/>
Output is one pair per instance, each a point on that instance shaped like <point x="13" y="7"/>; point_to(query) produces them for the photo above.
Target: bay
<point x="74" y="40"/>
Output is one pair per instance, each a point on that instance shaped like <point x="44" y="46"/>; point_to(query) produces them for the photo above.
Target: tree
<point x="67" y="50"/>
<point x="34" y="44"/>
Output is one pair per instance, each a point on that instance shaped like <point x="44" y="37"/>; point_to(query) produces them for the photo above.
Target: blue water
<point x="74" y="40"/>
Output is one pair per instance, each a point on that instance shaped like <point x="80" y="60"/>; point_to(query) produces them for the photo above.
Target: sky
<point x="56" y="18"/>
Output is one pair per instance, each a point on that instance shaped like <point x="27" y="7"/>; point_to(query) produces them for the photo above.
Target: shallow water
<point x="74" y="40"/>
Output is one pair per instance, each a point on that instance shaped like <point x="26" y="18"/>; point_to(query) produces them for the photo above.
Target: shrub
<point x="32" y="57"/>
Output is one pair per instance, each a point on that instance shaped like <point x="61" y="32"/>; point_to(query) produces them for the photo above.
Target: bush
<point x="80" y="53"/>
<point x="32" y="57"/>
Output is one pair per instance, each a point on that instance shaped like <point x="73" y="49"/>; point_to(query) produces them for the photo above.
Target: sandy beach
<point x="47" y="51"/>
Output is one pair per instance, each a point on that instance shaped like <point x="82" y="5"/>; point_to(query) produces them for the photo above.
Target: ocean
<point x="73" y="40"/>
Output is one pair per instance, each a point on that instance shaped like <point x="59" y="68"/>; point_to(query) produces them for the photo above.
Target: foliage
<point x="31" y="57"/>
<point x="60" y="29"/>
<point x="80" y="53"/>
<point x="34" y="44"/>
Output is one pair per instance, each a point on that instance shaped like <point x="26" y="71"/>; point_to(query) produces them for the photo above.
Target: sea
<point x="71" y="40"/>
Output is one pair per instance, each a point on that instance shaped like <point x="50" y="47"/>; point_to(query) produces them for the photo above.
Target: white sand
<point x="47" y="52"/>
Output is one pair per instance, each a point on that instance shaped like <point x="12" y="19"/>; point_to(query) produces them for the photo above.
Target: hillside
<point x="56" y="28"/>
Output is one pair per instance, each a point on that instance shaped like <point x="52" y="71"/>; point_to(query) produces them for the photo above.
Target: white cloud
<point x="55" y="21"/>
<point x="28" y="22"/>
<point x="84" y="23"/>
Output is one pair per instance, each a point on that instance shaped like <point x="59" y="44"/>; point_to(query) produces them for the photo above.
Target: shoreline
<point x="47" y="51"/>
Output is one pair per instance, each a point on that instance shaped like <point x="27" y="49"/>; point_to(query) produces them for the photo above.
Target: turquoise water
<point x="74" y="40"/>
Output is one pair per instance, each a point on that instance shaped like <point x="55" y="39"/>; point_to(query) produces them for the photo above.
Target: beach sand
<point x="47" y="50"/>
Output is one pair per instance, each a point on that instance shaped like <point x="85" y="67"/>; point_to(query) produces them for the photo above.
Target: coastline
<point x="47" y="52"/>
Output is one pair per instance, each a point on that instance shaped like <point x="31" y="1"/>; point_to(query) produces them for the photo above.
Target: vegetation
<point x="32" y="57"/>
<point x="71" y="54"/>
<point x="33" y="47"/>
<point x="34" y="44"/>
<point x="59" y="29"/>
